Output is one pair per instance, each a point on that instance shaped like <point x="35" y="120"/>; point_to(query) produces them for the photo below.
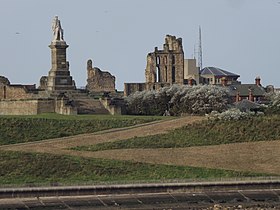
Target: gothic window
<point x="158" y="74"/>
<point x="158" y="60"/>
<point x="173" y="59"/>
<point x="173" y="74"/>
<point x="165" y="73"/>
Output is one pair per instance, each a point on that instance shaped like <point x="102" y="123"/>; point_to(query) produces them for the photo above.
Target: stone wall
<point x="133" y="87"/>
<point x="62" y="107"/>
<point x="45" y="106"/>
<point x="112" y="108"/>
<point x="14" y="92"/>
<point x="22" y="107"/>
<point x="99" y="81"/>
<point x="35" y="106"/>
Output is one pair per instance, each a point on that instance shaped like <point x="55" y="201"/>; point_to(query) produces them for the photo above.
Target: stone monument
<point x="59" y="77"/>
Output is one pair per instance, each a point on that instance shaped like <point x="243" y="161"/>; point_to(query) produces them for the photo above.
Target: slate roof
<point x="217" y="72"/>
<point x="246" y="105"/>
<point x="243" y="89"/>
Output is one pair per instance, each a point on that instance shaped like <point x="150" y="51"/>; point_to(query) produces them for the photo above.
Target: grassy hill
<point x="18" y="168"/>
<point x="18" y="129"/>
<point x="201" y="134"/>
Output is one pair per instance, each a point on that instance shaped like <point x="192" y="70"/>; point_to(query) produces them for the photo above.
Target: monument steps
<point x="90" y="106"/>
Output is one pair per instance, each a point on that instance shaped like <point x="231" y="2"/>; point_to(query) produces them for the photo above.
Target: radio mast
<point x="200" y="51"/>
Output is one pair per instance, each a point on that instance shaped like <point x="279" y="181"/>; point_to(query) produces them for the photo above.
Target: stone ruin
<point x="57" y="91"/>
<point x="99" y="81"/>
<point x="164" y="67"/>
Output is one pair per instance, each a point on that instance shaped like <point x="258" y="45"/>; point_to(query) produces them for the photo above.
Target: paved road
<point x="266" y="199"/>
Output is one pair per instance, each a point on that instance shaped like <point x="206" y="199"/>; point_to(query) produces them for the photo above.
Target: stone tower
<point x="59" y="77"/>
<point x="167" y="65"/>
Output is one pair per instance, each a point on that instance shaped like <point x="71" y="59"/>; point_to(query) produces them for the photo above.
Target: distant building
<point x="217" y="76"/>
<point x="191" y="72"/>
<point x="253" y="92"/>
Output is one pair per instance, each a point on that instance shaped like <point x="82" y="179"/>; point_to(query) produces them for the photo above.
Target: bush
<point x="177" y="99"/>
<point x="274" y="106"/>
<point x="231" y="114"/>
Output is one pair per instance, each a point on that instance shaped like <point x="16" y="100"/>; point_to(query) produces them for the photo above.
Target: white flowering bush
<point x="274" y="106"/>
<point x="231" y="114"/>
<point x="275" y="99"/>
<point x="177" y="99"/>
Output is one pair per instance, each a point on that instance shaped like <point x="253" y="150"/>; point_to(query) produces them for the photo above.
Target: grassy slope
<point x="26" y="168"/>
<point x="205" y="133"/>
<point x="17" y="129"/>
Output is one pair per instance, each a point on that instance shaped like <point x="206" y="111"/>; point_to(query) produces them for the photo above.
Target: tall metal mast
<point x="200" y="50"/>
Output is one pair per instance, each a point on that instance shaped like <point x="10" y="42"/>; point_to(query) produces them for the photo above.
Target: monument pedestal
<point x="59" y="77"/>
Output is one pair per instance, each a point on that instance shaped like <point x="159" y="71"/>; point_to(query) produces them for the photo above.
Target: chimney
<point x="190" y="81"/>
<point x="251" y="97"/>
<point x="258" y="81"/>
<point x="237" y="98"/>
<point x="224" y="81"/>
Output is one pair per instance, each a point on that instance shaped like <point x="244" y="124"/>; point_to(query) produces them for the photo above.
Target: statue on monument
<point x="57" y="30"/>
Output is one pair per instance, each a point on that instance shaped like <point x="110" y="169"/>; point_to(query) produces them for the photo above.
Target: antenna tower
<point x="200" y="50"/>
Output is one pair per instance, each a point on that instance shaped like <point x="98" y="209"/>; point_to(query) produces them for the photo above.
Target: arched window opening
<point x="173" y="74"/>
<point x="158" y="60"/>
<point x="158" y="74"/>
<point x="173" y="59"/>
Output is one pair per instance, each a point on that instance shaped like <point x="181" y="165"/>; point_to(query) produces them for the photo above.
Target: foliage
<point x="204" y="133"/>
<point x="231" y="114"/>
<point x="17" y="129"/>
<point x="31" y="168"/>
<point x="177" y="99"/>
<point x="274" y="105"/>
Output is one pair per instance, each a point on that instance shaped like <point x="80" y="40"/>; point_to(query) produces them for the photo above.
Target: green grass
<point x="18" y="129"/>
<point x="203" y="133"/>
<point x="19" y="168"/>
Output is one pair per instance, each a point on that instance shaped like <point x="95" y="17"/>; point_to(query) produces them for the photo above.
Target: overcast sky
<point x="240" y="36"/>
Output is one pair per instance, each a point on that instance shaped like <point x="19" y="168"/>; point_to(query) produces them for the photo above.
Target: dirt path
<point x="56" y="146"/>
<point x="262" y="157"/>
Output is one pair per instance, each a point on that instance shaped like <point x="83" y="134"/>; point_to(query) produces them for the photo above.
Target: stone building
<point x="164" y="67"/>
<point x="99" y="81"/>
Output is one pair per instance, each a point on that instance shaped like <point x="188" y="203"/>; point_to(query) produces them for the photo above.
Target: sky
<point x="240" y="36"/>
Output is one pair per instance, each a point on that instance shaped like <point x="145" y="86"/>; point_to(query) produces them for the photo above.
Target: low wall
<point x="114" y="110"/>
<point x="19" y="107"/>
<point x="139" y="188"/>
<point x="26" y="107"/>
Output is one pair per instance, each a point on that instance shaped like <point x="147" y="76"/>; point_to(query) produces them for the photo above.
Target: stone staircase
<point x="90" y="106"/>
<point x="84" y="103"/>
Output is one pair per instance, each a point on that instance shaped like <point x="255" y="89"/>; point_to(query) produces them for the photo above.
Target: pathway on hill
<point x="60" y="145"/>
<point x="262" y="157"/>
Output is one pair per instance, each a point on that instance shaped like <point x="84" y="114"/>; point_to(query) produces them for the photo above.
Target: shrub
<point x="177" y="99"/>
<point x="231" y="114"/>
